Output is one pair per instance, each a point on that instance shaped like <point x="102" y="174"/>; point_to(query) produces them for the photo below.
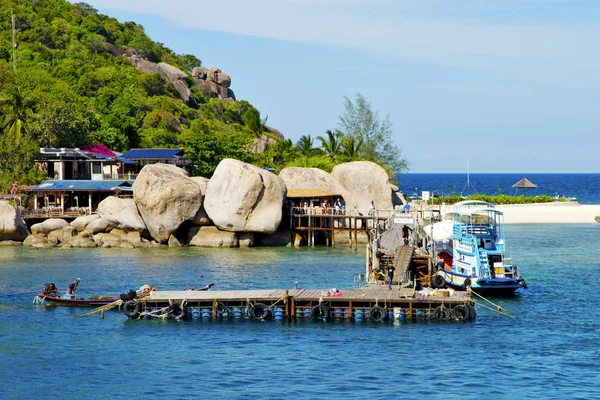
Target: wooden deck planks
<point x="379" y="293"/>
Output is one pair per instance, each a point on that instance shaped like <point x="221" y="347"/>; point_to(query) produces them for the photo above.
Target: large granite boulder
<point x="201" y="218"/>
<point x="211" y="236"/>
<point x="97" y="226"/>
<point x="244" y="198"/>
<point x="262" y="144"/>
<point x="314" y="178"/>
<point x="121" y="213"/>
<point x="366" y="182"/>
<point x="213" y="82"/>
<point x="83" y="239"/>
<point x="165" y="197"/>
<point x="108" y="240"/>
<point x="80" y="223"/>
<point x="12" y="226"/>
<point x="63" y="235"/>
<point x="170" y="73"/>
<point x="39" y="240"/>
<point x="49" y="225"/>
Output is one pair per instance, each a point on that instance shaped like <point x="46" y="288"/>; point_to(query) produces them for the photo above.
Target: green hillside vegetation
<point x="67" y="89"/>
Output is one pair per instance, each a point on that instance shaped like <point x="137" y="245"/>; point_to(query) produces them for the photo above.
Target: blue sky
<point x="503" y="86"/>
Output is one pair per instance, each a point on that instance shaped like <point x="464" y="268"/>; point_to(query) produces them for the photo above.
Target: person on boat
<point x="406" y="234"/>
<point x="390" y="275"/>
<point x="50" y="290"/>
<point x="72" y="290"/>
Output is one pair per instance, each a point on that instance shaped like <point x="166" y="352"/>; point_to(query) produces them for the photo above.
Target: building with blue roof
<point x="66" y="198"/>
<point x="151" y="156"/>
<point x="77" y="164"/>
<point x="79" y="179"/>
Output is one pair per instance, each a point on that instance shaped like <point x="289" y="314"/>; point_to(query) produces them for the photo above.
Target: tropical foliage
<point x="498" y="199"/>
<point x="71" y="86"/>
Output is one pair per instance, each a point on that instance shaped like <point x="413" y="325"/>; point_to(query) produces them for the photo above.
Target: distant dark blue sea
<point x="584" y="187"/>
<point x="550" y="349"/>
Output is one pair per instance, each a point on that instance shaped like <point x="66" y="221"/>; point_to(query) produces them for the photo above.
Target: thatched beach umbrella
<point x="524" y="184"/>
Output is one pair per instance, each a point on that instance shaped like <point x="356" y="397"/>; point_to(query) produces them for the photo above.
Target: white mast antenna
<point x="468" y="184"/>
<point x="14" y="39"/>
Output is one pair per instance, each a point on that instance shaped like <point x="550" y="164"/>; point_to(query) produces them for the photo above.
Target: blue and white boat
<point x="471" y="251"/>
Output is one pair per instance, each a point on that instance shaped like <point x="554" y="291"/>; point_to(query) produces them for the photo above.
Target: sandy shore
<point x="558" y="213"/>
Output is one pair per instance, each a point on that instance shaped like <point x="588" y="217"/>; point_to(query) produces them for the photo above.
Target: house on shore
<point x="79" y="179"/>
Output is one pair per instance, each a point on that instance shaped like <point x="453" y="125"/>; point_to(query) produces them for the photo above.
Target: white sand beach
<point x="552" y="213"/>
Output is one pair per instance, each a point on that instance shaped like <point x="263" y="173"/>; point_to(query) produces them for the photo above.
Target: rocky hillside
<point x="82" y="77"/>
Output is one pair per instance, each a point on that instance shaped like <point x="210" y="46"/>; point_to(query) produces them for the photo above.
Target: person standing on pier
<point x="390" y="275"/>
<point x="372" y="209"/>
<point x="372" y="212"/>
<point x="337" y="207"/>
<point x="406" y="234"/>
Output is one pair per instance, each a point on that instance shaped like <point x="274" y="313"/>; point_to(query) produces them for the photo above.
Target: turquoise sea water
<point x="550" y="349"/>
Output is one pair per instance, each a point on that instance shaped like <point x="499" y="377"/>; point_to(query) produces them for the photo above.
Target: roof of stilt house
<point x="524" y="184"/>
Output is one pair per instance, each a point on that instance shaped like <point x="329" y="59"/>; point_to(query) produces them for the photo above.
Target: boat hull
<point x="76" y="302"/>
<point x="492" y="286"/>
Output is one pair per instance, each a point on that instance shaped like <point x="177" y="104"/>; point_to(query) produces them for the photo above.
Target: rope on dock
<point x="109" y="306"/>
<point x="497" y="308"/>
<point x="159" y="313"/>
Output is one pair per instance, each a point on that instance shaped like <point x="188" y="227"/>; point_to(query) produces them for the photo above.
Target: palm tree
<point x="332" y="144"/>
<point x="351" y="147"/>
<point x="14" y="112"/>
<point x="282" y="152"/>
<point x="305" y="145"/>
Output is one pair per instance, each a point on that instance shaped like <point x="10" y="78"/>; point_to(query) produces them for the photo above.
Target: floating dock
<point x="373" y="302"/>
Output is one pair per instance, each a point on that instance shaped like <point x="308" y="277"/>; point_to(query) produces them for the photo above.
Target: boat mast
<point x="468" y="184"/>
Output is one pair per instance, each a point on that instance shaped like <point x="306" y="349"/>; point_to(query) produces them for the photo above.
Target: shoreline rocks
<point x="12" y="226"/>
<point x="240" y="206"/>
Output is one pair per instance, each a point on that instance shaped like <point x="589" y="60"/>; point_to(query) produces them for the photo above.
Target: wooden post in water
<point x="332" y="233"/>
<point x="355" y="234"/>
<point x="310" y="243"/>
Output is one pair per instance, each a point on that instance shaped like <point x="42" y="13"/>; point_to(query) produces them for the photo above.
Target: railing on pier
<point x="128" y="177"/>
<point x="54" y="212"/>
<point x="312" y="222"/>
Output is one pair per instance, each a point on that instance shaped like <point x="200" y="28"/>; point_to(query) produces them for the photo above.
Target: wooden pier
<point x="373" y="302"/>
<point x="326" y="229"/>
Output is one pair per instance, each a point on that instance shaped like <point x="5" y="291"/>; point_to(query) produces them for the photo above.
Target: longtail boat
<point x="50" y="296"/>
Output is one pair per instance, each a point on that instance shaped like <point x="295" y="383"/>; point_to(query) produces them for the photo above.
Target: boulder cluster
<point x="240" y="206"/>
<point x="211" y="81"/>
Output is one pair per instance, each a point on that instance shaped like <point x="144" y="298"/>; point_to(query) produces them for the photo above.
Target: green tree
<point x="350" y="148"/>
<point x="61" y="123"/>
<point x="17" y="149"/>
<point x="252" y="121"/>
<point x="189" y="62"/>
<point x="15" y="110"/>
<point x="281" y="153"/>
<point x="331" y="145"/>
<point x="305" y="145"/>
<point x="362" y="123"/>
<point x="206" y="147"/>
